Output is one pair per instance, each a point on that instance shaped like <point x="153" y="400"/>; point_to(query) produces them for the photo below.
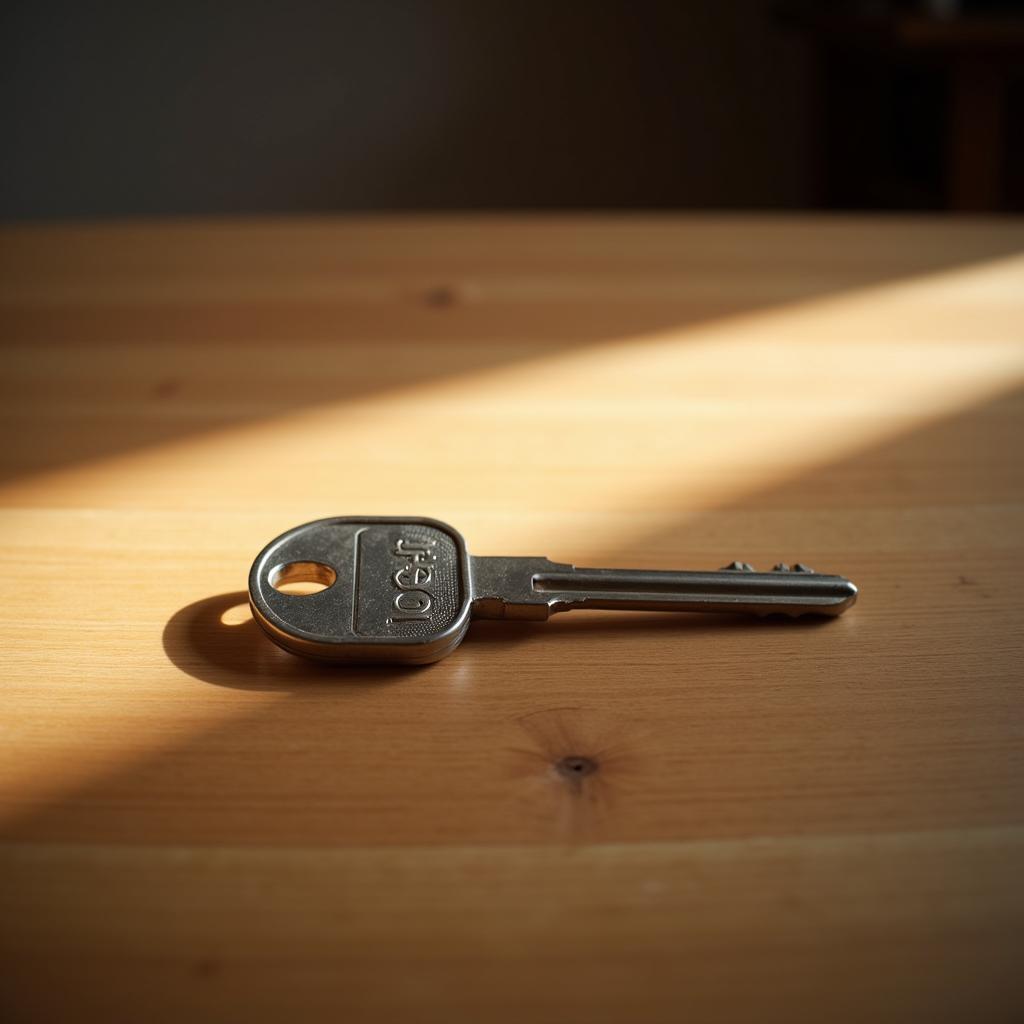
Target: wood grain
<point x="784" y="821"/>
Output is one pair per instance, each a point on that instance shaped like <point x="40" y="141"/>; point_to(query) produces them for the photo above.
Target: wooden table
<point x="785" y="821"/>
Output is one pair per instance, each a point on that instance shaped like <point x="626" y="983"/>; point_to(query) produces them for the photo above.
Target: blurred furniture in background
<point x="916" y="111"/>
<point x="602" y="817"/>
<point x="140" y="110"/>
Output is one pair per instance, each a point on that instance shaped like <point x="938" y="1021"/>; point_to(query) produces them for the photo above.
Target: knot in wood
<point x="575" y="766"/>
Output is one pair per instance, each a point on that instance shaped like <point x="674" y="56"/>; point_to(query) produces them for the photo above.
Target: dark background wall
<point x="124" y="109"/>
<point x="438" y="103"/>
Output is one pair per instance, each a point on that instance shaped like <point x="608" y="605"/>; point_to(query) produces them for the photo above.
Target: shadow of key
<point x="216" y="640"/>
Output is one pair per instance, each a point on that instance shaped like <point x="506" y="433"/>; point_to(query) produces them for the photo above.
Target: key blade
<point x="533" y="588"/>
<point x="756" y="593"/>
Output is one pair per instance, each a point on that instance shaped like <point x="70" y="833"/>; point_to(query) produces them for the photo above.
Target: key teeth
<point x="778" y="567"/>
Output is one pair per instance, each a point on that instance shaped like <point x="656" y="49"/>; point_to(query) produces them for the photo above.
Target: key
<point x="404" y="589"/>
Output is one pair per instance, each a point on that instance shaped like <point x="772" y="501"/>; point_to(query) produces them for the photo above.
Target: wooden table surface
<point x="785" y="821"/>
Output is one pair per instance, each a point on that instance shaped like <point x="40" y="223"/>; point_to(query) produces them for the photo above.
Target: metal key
<point x="405" y="589"/>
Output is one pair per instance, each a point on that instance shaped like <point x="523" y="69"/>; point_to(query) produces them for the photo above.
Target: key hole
<point x="302" y="578"/>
